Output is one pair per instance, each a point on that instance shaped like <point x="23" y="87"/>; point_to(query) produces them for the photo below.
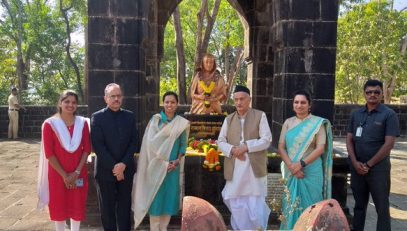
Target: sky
<point x="400" y="4"/>
<point x="79" y="37"/>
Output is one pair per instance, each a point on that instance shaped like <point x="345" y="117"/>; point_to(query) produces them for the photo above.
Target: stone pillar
<point x="116" y="31"/>
<point x="115" y="51"/>
<point x="262" y="54"/>
<point x="304" y="38"/>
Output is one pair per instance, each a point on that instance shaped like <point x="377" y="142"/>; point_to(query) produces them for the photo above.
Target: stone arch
<point x="290" y="45"/>
<point x="258" y="52"/>
<point x="251" y="48"/>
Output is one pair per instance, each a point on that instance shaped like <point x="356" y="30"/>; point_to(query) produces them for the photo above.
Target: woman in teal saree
<point x="305" y="146"/>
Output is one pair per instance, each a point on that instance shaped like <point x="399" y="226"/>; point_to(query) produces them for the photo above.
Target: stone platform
<point x="18" y="175"/>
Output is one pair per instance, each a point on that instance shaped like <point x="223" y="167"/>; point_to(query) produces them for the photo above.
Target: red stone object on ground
<point x="200" y="215"/>
<point x="325" y="215"/>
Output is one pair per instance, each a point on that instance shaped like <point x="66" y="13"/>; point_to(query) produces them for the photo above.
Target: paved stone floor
<point x="18" y="175"/>
<point x="398" y="191"/>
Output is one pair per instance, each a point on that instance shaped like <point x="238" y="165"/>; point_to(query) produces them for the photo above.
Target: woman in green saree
<point x="305" y="146"/>
<point x="157" y="186"/>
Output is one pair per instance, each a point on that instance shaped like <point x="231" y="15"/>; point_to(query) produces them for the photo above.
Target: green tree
<point x="8" y="77"/>
<point x="369" y="37"/>
<point x="225" y="40"/>
<point x="67" y="11"/>
<point x="36" y="35"/>
<point x="13" y="27"/>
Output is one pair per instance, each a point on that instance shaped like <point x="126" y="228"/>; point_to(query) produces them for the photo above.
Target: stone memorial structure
<point x="289" y="45"/>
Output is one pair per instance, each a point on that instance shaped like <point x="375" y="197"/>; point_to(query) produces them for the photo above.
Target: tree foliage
<point x="39" y="48"/>
<point x="34" y="45"/>
<point x="369" y="46"/>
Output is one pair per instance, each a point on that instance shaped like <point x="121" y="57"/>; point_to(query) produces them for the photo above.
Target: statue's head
<point x="208" y="63"/>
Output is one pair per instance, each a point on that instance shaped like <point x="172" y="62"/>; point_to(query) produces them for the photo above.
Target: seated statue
<point x="208" y="89"/>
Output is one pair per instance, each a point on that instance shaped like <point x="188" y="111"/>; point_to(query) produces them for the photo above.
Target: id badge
<point x="359" y="131"/>
<point x="79" y="182"/>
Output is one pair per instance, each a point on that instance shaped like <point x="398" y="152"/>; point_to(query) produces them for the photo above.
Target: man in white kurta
<point x="244" y="194"/>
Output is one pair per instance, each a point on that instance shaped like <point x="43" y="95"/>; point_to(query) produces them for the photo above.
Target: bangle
<point x="303" y="164"/>
<point x="175" y="162"/>
<point x="78" y="172"/>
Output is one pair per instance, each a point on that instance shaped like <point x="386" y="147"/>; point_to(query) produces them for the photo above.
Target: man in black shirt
<point x="371" y="135"/>
<point x="114" y="140"/>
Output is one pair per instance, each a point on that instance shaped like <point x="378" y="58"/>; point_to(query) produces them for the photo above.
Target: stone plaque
<point x="205" y="126"/>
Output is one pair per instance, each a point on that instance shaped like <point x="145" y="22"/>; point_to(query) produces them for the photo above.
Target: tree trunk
<point x="227" y="62"/>
<point x="202" y="43"/>
<point x="64" y="12"/>
<point x="179" y="44"/>
<point x="198" y="35"/>
<point x="17" y="23"/>
<point x="22" y="77"/>
<point x="208" y="30"/>
<point x="234" y="71"/>
<point x="389" y="87"/>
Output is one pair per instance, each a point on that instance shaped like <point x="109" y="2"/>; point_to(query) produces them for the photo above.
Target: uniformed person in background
<point x="13" y="108"/>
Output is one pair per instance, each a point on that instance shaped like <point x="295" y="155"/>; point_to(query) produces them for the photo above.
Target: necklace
<point x="69" y="122"/>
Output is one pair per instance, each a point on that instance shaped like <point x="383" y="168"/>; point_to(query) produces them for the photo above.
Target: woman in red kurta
<point x="66" y="145"/>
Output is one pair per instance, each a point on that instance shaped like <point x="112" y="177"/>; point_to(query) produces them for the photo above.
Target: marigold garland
<point x="207" y="90"/>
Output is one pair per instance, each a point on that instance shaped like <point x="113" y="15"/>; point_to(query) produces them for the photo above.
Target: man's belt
<point x="13" y="109"/>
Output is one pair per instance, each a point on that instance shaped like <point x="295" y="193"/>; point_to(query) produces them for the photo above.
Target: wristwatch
<point x="303" y="164"/>
<point x="78" y="172"/>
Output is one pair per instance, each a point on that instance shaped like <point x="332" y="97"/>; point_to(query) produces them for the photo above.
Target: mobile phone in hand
<point x="79" y="182"/>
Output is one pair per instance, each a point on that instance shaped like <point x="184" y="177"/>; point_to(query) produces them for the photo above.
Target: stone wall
<point x="31" y="120"/>
<point x="342" y="114"/>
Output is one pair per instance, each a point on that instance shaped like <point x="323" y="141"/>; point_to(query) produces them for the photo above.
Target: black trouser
<point x="377" y="183"/>
<point x="115" y="204"/>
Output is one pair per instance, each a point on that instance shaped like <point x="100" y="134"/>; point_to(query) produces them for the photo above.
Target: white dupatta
<point x="153" y="162"/>
<point x="69" y="143"/>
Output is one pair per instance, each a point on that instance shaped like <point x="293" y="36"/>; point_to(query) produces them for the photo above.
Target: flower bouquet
<point x="210" y="149"/>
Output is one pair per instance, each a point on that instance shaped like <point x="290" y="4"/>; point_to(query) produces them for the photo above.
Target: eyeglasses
<point x="373" y="92"/>
<point x="115" y="96"/>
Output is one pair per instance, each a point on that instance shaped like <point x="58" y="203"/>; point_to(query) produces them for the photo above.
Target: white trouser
<point x="13" y="124"/>
<point x="159" y="223"/>
<point x="60" y="225"/>
<point x="248" y="212"/>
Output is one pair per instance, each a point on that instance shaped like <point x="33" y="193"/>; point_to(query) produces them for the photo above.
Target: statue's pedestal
<point x="205" y="126"/>
<point x="199" y="181"/>
<point x="202" y="183"/>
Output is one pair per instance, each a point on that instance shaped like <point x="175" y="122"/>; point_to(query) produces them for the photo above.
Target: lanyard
<point x="363" y="122"/>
